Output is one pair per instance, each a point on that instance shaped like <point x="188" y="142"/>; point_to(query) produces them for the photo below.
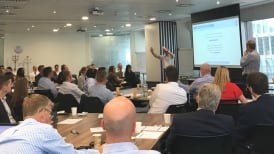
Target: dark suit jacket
<point x="3" y="114"/>
<point x="200" y="123"/>
<point x="260" y="111"/>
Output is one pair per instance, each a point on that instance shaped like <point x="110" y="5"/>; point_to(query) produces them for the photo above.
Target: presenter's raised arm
<point x="154" y="54"/>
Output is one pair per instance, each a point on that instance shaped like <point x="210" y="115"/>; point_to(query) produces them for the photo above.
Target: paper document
<point x="69" y="121"/>
<point x="97" y="130"/>
<point x="149" y="135"/>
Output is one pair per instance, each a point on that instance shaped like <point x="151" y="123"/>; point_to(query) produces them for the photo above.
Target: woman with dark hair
<point x="113" y="79"/>
<point x="20" y="92"/>
<point x="130" y="76"/>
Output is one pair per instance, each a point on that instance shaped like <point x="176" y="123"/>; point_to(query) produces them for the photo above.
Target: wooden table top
<point x="91" y="120"/>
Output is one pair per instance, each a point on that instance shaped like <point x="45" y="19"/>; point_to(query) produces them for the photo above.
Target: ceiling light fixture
<point x="32" y="26"/>
<point x="68" y="25"/>
<point x="54" y="12"/>
<point x="135" y="13"/>
<point x="128" y="25"/>
<point x="101" y="35"/>
<point x="107" y="30"/>
<point x="94" y="26"/>
<point x="55" y="29"/>
<point x="218" y="2"/>
<point x="84" y="17"/>
<point x="152" y="19"/>
<point x="7" y="11"/>
<point x="109" y="33"/>
<point x="28" y="29"/>
<point x="177" y="1"/>
<point x="170" y="14"/>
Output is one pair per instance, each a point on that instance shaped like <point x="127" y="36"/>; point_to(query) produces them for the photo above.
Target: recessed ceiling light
<point x="109" y="33"/>
<point x="68" y="24"/>
<point x="177" y="1"/>
<point x="123" y="26"/>
<point x="55" y="29"/>
<point x="107" y="30"/>
<point x="54" y="12"/>
<point x="32" y="26"/>
<point x="28" y="29"/>
<point x="84" y="17"/>
<point x="152" y="19"/>
<point x="7" y="11"/>
<point x="128" y="25"/>
<point x="218" y="2"/>
<point x="94" y="26"/>
<point x="170" y="14"/>
<point x="135" y="13"/>
<point x="100" y="35"/>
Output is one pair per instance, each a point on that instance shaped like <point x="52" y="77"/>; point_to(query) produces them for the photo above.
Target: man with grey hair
<point x="119" y="123"/>
<point x="203" y="122"/>
<point x="206" y="77"/>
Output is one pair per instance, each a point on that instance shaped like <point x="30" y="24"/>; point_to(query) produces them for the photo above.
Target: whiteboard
<point x="185" y="57"/>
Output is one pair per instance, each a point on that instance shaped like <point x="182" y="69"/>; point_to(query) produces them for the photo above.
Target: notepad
<point x="100" y="116"/>
<point x="149" y="135"/>
<point x="97" y="130"/>
<point x="155" y="128"/>
<point x="69" y="121"/>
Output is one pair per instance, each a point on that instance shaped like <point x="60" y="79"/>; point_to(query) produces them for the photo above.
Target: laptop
<point x="4" y="127"/>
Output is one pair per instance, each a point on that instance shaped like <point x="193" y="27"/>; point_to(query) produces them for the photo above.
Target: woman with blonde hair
<point x="230" y="91"/>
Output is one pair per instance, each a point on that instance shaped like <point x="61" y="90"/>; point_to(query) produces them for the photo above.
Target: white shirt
<point x="70" y="88"/>
<point x="165" y="95"/>
<point x="32" y="76"/>
<point x="166" y="60"/>
<point x="7" y="108"/>
<point x="88" y="83"/>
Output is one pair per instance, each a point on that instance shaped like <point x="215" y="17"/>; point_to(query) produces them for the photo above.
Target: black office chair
<point x="45" y="93"/>
<point x="65" y="102"/>
<point x="229" y="107"/>
<point x="91" y="104"/>
<point x="200" y="145"/>
<point x="262" y="139"/>
<point x="179" y="108"/>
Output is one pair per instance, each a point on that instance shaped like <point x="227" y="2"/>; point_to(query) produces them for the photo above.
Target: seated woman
<point x="113" y="79"/>
<point x="230" y="91"/>
<point x="20" y="92"/>
<point x="130" y="77"/>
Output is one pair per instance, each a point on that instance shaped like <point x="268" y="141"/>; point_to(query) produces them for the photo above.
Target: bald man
<point x="206" y="77"/>
<point x="119" y="124"/>
<point x="250" y="61"/>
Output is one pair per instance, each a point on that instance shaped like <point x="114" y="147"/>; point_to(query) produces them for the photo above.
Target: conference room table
<point x="83" y="137"/>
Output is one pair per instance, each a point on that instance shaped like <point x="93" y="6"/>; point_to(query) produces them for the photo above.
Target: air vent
<point x="10" y="7"/>
<point x="7" y="14"/>
<point x="14" y="0"/>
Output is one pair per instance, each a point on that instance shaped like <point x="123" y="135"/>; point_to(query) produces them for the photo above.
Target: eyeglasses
<point x="49" y="110"/>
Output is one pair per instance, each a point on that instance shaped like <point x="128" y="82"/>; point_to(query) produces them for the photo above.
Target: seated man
<point x="203" y="122"/>
<point x="167" y="94"/>
<point x="6" y="112"/>
<point x="35" y="135"/>
<point x="63" y="68"/>
<point x="119" y="124"/>
<point x="206" y="77"/>
<point x="45" y="82"/>
<point x="40" y="75"/>
<point x="69" y="88"/>
<point x="99" y="89"/>
<point x="260" y="111"/>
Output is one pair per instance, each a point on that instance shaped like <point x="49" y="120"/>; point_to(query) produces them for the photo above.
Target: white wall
<point x="1" y="51"/>
<point x="257" y="12"/>
<point x="49" y="49"/>
<point x="152" y="40"/>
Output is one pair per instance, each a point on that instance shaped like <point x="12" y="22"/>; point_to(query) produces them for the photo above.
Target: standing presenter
<point x="166" y="58"/>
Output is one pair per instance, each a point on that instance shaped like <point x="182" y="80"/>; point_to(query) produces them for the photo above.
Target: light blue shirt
<point x="125" y="148"/>
<point x="196" y="84"/>
<point x="33" y="137"/>
<point x="101" y="92"/>
<point x="46" y="84"/>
